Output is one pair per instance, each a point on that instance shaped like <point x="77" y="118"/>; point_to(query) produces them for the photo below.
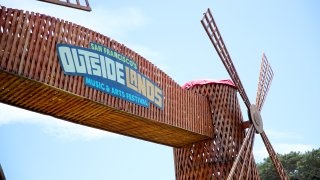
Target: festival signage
<point x="110" y="72"/>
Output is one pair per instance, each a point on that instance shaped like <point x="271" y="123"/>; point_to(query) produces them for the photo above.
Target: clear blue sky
<point x="170" y="35"/>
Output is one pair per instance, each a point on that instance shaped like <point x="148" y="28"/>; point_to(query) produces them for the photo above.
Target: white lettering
<point x="87" y="55"/>
<point x="78" y="62"/>
<point x="103" y="66"/>
<point x="120" y="73"/>
<point x="66" y="59"/>
<point x="111" y="69"/>
<point x="96" y="67"/>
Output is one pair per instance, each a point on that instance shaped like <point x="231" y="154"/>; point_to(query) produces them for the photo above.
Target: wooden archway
<point x="205" y="133"/>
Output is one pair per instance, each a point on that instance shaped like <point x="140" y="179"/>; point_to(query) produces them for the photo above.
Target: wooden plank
<point x="5" y="25"/>
<point x="64" y="39"/>
<point x="48" y="90"/>
<point x="37" y="42"/>
<point x="34" y="30"/>
<point x="22" y="39"/>
<point x="76" y="79"/>
<point x="16" y="25"/>
<point x="10" y="27"/>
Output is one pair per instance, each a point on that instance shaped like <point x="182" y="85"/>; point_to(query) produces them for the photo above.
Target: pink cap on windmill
<point x="207" y="81"/>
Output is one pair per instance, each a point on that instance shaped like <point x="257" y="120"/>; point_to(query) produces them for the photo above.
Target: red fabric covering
<point x="207" y="81"/>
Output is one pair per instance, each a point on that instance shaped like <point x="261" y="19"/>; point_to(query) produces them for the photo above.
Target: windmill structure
<point x="243" y="167"/>
<point x="39" y="71"/>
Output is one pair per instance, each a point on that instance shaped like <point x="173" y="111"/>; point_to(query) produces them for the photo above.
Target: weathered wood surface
<point x="31" y="78"/>
<point x="213" y="158"/>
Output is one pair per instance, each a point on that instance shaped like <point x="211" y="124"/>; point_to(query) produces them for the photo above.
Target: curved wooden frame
<point x="31" y="78"/>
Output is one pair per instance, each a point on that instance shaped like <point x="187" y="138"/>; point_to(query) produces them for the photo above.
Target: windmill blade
<point x="213" y="32"/>
<point x="273" y="156"/>
<point x="265" y="79"/>
<point x="244" y="166"/>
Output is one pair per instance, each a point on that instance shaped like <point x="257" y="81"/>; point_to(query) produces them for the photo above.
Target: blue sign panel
<point x="110" y="72"/>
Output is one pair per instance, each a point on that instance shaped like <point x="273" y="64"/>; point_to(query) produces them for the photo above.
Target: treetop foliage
<point x="299" y="166"/>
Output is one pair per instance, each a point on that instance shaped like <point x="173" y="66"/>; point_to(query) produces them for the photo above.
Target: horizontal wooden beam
<point x="246" y="124"/>
<point x="45" y="99"/>
<point x="69" y="4"/>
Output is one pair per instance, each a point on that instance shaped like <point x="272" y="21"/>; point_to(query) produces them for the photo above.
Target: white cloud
<point x="112" y="22"/>
<point x="151" y="55"/>
<point x="60" y="129"/>
<point x="260" y="152"/>
<point x="286" y="148"/>
<point x="67" y="131"/>
<point x="10" y="114"/>
<point x="282" y="135"/>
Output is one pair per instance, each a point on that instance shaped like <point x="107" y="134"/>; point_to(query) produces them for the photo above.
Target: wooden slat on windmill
<point x="70" y="72"/>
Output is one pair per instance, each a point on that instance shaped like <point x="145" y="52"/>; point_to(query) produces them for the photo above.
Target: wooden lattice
<point x="31" y="78"/>
<point x="265" y="79"/>
<point x="274" y="159"/>
<point x="77" y="4"/>
<point x="213" y="159"/>
<point x="244" y="166"/>
<point x="214" y="35"/>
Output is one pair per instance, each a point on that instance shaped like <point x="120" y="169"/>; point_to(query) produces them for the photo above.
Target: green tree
<point x="309" y="166"/>
<point x="297" y="165"/>
<point x="290" y="163"/>
<point x="266" y="170"/>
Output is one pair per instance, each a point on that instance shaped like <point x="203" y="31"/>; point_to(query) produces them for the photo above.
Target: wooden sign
<point x="144" y="103"/>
